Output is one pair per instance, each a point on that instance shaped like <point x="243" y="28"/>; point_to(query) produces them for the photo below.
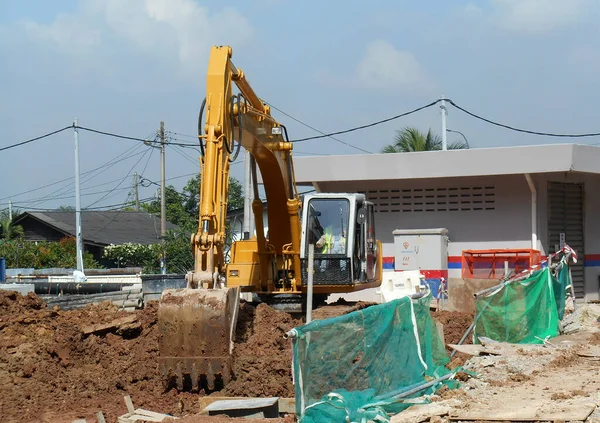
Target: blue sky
<point x="122" y="66"/>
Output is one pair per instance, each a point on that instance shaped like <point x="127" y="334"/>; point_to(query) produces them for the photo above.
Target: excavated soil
<point x="455" y="325"/>
<point x="51" y="371"/>
<point x="262" y="357"/>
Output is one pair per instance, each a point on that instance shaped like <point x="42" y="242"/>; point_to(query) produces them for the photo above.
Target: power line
<point x="512" y="128"/>
<point x="110" y="163"/>
<point x="183" y="135"/>
<point x="369" y="125"/>
<point x="125" y="137"/>
<point x="320" y="132"/>
<point x="145" y="200"/>
<point x="24" y="203"/>
<point x="88" y="176"/>
<point x="185" y="156"/>
<point x="122" y="180"/>
<point x="35" y="139"/>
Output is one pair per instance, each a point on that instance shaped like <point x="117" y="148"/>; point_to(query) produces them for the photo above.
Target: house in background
<point x="99" y="228"/>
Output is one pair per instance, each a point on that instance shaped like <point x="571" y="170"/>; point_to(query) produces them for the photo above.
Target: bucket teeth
<point x="210" y="377"/>
<point x="196" y="327"/>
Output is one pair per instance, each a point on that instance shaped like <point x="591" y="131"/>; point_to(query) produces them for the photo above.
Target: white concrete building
<point x="490" y="198"/>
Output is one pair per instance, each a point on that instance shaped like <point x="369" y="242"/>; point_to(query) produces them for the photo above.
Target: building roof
<point x="450" y="163"/>
<point x="104" y="227"/>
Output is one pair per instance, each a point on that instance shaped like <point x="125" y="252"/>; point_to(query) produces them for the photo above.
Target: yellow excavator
<point x="197" y="323"/>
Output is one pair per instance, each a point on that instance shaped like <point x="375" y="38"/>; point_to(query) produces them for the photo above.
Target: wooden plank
<point x="111" y="325"/>
<point x="556" y="412"/>
<point x="129" y="404"/>
<point x="286" y="405"/>
<point x="79" y="421"/>
<point x="467" y="349"/>
<point x="152" y="414"/>
<point x="242" y="404"/>
<point x="247" y="407"/>
<point x="100" y="417"/>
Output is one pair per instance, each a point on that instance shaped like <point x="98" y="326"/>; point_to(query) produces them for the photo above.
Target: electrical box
<point x="425" y="250"/>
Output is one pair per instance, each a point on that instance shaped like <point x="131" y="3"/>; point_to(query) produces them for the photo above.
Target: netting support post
<point x="309" y="293"/>
<point x="533" y="211"/>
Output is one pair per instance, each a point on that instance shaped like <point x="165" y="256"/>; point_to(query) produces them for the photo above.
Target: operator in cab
<point x="331" y="243"/>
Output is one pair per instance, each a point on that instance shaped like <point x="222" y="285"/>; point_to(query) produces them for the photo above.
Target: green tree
<point x="8" y="228"/>
<point x="183" y="207"/>
<point x="411" y="139"/>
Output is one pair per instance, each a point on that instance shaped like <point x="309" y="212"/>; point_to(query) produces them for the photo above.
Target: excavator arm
<point x="234" y="121"/>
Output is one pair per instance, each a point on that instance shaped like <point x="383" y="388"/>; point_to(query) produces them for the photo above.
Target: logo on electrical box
<point x="405" y="245"/>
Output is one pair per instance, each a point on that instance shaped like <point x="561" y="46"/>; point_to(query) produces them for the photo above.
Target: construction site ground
<point x="58" y="366"/>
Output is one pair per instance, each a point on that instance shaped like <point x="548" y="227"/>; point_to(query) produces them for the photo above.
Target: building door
<point x="565" y="218"/>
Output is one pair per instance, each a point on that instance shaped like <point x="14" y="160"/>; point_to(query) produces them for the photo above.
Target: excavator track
<point x="196" y="337"/>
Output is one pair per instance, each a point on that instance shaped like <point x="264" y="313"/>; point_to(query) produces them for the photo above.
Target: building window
<point x="422" y="200"/>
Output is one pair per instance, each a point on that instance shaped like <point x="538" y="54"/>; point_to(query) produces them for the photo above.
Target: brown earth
<point x="455" y="325"/>
<point x="51" y="372"/>
<point x="49" y="368"/>
<point x="262" y="357"/>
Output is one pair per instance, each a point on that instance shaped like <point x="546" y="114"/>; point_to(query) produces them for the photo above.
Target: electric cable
<point x="526" y="131"/>
<point x="87" y="176"/>
<point x="319" y="131"/>
<point x="369" y="125"/>
<point x="123" y="180"/>
<point x="34" y="139"/>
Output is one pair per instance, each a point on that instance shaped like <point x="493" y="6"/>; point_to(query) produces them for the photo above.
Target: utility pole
<point x="9" y="210"/>
<point x="137" y="193"/>
<point x="79" y="239"/>
<point x="163" y="206"/>
<point x="444" y="113"/>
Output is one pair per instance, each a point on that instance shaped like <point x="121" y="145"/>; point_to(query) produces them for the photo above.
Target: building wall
<point x="506" y="224"/>
<point x="34" y="230"/>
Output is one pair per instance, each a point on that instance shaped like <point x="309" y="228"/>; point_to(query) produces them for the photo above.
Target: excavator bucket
<point x="196" y="330"/>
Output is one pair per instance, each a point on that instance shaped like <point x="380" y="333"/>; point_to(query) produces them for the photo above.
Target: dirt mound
<point x="339" y="308"/>
<point x="455" y="325"/>
<point x="48" y="365"/>
<point x="262" y="358"/>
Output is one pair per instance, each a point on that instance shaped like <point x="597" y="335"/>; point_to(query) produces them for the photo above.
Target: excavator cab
<point x="342" y="229"/>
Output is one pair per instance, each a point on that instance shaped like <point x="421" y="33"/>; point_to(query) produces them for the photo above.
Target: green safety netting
<point x="524" y="311"/>
<point x="356" y="367"/>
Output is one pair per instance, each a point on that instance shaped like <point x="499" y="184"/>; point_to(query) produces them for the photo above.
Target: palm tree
<point x="8" y="230"/>
<point x="411" y="139"/>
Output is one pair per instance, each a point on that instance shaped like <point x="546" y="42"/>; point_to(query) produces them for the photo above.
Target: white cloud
<point x="178" y="32"/>
<point x="383" y="66"/>
<point x="541" y="15"/>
